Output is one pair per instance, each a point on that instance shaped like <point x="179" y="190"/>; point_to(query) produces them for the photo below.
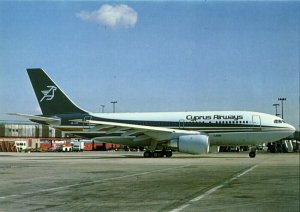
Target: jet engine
<point x="192" y="144"/>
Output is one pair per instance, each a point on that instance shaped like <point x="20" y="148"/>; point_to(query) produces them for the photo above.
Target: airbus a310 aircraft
<point x="160" y="132"/>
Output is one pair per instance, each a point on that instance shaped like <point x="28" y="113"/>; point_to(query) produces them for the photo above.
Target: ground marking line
<point x="196" y="199"/>
<point x="91" y="182"/>
<point x="181" y="207"/>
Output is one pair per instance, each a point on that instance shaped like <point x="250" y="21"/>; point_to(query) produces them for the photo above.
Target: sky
<point x="153" y="56"/>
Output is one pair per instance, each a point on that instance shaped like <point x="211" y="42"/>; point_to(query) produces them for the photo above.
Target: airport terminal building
<point x="38" y="137"/>
<point x="28" y="130"/>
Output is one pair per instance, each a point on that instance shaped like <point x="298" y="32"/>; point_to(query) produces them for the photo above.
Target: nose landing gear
<point x="252" y="153"/>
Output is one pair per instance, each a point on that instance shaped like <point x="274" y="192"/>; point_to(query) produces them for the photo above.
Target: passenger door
<point x="256" y="121"/>
<point x="181" y="123"/>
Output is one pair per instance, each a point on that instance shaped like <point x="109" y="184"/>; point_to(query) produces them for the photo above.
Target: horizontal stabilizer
<point x="48" y="120"/>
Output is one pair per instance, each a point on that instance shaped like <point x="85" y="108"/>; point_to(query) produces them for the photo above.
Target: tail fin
<point x="51" y="98"/>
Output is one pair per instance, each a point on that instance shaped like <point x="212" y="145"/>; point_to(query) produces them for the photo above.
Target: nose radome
<point x="292" y="127"/>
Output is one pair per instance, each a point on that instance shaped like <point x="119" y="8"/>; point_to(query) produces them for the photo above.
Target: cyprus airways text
<point x="214" y="117"/>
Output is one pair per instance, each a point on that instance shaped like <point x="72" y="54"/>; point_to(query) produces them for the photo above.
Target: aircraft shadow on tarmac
<point x="127" y="156"/>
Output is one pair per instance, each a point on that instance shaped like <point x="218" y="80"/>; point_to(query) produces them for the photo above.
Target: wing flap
<point x="141" y="132"/>
<point x="140" y="127"/>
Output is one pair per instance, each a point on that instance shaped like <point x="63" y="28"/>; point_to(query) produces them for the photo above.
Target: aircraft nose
<point x="291" y="127"/>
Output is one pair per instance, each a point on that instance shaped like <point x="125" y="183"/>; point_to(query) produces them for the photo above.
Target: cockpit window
<point x="278" y="121"/>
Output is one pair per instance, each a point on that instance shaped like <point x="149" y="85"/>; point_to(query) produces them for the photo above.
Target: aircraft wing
<point x="40" y="119"/>
<point x="137" y="132"/>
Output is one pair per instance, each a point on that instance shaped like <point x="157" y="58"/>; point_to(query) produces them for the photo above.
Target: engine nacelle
<point x="192" y="144"/>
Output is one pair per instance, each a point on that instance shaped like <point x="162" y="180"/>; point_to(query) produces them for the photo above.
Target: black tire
<point x="252" y="154"/>
<point x="169" y="154"/>
<point x="157" y="154"/>
<point x="147" y="154"/>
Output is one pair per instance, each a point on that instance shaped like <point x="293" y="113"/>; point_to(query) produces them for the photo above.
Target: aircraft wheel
<point x="157" y="154"/>
<point x="147" y="154"/>
<point x="252" y="154"/>
<point x="169" y="153"/>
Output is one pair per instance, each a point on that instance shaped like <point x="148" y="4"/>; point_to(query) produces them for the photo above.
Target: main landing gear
<point x="252" y="153"/>
<point x="158" y="153"/>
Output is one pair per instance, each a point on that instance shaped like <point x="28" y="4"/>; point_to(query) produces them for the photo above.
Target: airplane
<point x="161" y="132"/>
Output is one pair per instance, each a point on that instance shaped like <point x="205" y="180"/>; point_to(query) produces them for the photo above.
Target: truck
<point x="78" y="146"/>
<point x="21" y="146"/>
<point x="63" y="148"/>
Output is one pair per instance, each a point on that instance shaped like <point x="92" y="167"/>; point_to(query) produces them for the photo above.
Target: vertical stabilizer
<point x="51" y="98"/>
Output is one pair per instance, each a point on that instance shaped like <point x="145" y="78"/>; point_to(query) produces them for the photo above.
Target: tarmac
<point x="125" y="181"/>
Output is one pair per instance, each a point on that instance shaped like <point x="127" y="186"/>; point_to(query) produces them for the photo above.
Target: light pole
<point x="114" y="105"/>
<point x="103" y="106"/>
<point x="282" y="99"/>
<point x="276" y="105"/>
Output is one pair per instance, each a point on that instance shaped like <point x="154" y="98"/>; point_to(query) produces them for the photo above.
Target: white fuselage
<point x="222" y="127"/>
